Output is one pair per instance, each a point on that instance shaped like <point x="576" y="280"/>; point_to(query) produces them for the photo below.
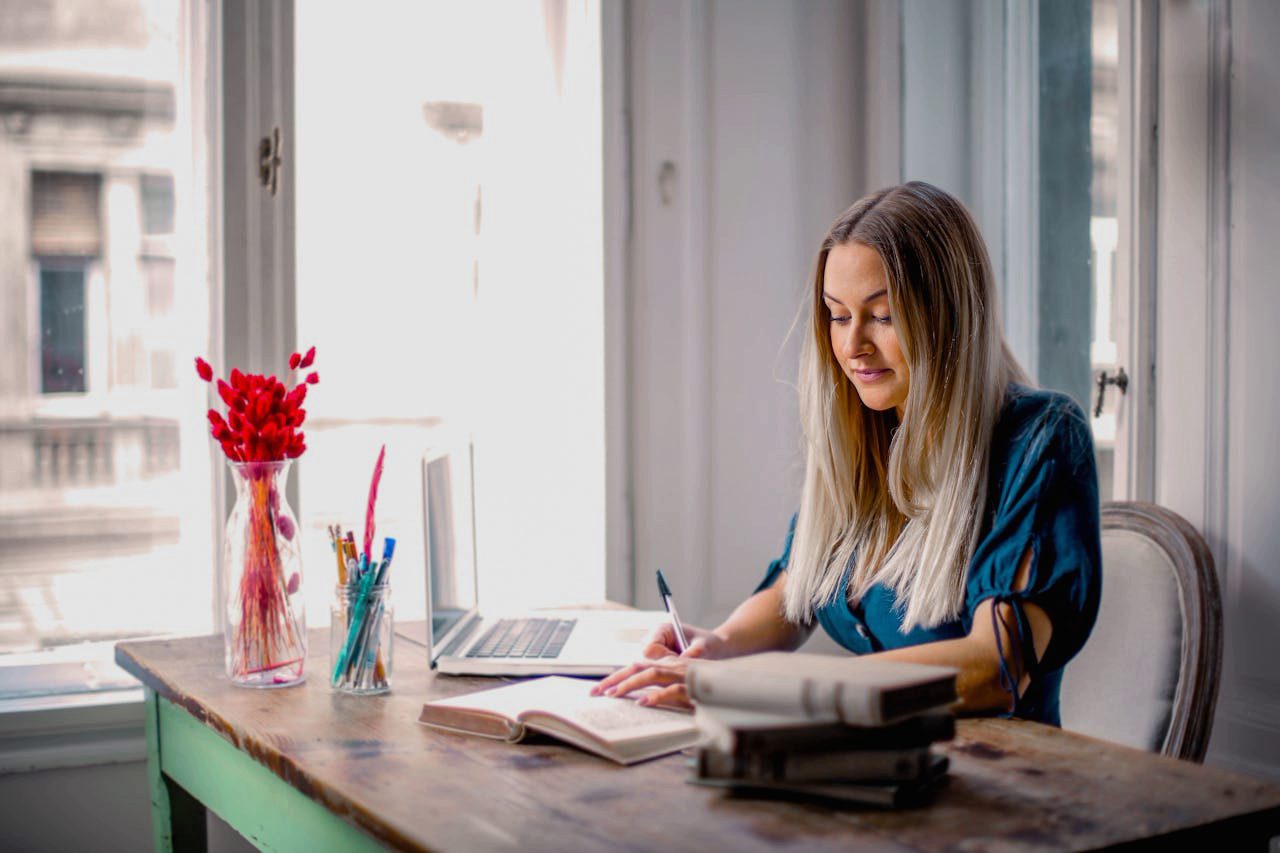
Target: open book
<point x="854" y="690"/>
<point x="616" y="729"/>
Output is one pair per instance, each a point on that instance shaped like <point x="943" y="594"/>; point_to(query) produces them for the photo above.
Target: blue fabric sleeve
<point x="777" y="566"/>
<point x="1048" y="503"/>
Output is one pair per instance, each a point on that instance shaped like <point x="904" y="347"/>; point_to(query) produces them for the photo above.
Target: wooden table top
<point x="1013" y="783"/>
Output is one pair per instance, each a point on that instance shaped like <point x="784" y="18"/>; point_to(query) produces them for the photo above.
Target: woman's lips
<point x="871" y="375"/>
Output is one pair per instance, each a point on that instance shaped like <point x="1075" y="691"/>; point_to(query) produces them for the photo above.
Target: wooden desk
<point x="303" y="768"/>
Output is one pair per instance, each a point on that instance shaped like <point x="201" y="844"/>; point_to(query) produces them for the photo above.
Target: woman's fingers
<point x="657" y="650"/>
<point x="660" y="642"/>
<point x="645" y="674"/>
<point x="697" y="649"/>
<point x="672" y="696"/>
<point x="614" y="677"/>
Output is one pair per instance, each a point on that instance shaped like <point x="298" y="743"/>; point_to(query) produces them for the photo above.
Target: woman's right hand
<point x="663" y="667"/>
<point x="662" y="643"/>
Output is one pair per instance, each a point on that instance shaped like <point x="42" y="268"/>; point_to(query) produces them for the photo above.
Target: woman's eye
<point x="840" y="320"/>
<point x="885" y="320"/>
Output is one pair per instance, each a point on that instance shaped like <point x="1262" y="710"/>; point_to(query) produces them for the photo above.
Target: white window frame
<point x="1136" y="260"/>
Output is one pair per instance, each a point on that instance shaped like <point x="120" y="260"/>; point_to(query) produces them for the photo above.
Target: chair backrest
<point x="1148" y="676"/>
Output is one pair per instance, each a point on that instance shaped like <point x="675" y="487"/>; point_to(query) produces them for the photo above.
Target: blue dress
<point x="1042" y="494"/>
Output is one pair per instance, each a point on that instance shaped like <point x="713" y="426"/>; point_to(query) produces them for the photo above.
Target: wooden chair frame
<point x="1199" y="598"/>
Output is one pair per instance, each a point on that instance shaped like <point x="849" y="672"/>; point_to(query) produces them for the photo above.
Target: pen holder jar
<point x="360" y="631"/>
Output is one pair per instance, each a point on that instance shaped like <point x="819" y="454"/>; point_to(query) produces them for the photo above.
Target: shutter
<point x="66" y="214"/>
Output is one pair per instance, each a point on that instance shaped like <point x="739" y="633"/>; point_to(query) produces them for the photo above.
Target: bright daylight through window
<point x="105" y="490"/>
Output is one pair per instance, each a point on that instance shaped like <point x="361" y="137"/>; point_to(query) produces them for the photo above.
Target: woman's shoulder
<point x="1035" y="421"/>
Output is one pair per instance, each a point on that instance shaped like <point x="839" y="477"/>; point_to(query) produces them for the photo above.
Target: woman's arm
<point x="977" y="658"/>
<point x="977" y="654"/>
<point x="757" y="625"/>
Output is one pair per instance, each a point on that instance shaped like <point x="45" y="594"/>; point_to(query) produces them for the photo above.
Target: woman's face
<point x="855" y="289"/>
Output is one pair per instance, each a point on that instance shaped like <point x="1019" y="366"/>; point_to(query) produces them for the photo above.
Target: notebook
<point x="616" y="729"/>
<point x="464" y="639"/>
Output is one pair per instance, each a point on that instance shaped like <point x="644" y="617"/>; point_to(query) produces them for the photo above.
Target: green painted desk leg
<point x="177" y="818"/>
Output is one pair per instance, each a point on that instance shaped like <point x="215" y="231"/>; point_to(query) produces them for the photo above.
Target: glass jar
<point x="360" y="630"/>
<point x="264" y="623"/>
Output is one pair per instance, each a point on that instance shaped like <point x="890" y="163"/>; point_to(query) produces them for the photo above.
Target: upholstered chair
<point x="1148" y="676"/>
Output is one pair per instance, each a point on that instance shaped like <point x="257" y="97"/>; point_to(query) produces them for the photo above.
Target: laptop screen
<point x="450" y="540"/>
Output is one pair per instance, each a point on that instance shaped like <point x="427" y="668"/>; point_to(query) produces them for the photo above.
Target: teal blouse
<point x="1042" y="494"/>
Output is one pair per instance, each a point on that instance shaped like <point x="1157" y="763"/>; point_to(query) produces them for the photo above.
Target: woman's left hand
<point x="665" y="677"/>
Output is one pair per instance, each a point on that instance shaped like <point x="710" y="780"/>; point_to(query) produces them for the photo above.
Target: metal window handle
<point x="1120" y="379"/>
<point x="269" y="161"/>
<point x="667" y="182"/>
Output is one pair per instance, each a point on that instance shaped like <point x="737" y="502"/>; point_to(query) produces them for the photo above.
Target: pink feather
<point x="373" y="498"/>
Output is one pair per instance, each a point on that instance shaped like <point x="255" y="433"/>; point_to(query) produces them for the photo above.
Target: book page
<point x="606" y="718"/>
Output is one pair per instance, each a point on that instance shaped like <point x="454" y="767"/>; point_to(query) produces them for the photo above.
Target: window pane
<point x="1078" y="116"/>
<point x="384" y="278"/>
<point x="61" y="329"/>
<point x="453" y="264"/>
<point x="106" y="520"/>
<point x="157" y="203"/>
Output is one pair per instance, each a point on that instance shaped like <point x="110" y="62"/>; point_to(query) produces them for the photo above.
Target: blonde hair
<point x="902" y="501"/>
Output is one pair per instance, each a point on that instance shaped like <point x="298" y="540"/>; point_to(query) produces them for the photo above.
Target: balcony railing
<point x="41" y="454"/>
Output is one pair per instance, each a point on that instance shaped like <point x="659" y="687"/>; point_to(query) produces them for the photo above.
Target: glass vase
<point x="264" y="626"/>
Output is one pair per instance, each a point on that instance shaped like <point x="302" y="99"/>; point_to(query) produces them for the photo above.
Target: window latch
<point x="1120" y="379"/>
<point x="269" y="161"/>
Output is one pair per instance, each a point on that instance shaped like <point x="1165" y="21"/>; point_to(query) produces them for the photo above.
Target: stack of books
<point x="815" y="727"/>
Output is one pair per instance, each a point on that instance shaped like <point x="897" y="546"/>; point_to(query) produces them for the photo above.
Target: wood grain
<point x="365" y="759"/>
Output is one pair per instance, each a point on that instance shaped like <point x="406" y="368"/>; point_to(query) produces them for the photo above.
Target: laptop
<point x="463" y="639"/>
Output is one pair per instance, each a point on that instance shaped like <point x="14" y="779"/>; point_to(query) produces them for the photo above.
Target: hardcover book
<point x="853" y="690"/>
<point x="736" y="731"/>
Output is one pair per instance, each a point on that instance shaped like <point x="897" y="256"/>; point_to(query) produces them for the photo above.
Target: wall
<point x="104" y="808"/>
<point x="1247" y="728"/>
<point x="746" y="144"/>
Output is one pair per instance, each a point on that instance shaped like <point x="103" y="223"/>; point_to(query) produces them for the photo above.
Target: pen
<point x="669" y="603"/>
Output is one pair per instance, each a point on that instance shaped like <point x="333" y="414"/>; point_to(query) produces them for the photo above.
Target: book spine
<point x="912" y="733"/>
<point x="857" y="766"/>
<point x="808" y="697"/>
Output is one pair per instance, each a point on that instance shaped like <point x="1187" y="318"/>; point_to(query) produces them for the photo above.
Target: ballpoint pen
<point x="670" y="604"/>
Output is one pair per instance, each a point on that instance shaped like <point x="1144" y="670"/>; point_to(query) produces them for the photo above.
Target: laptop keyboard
<point x="523" y="638"/>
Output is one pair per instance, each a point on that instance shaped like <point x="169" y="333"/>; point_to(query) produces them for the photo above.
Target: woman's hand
<point x="663" y="667"/>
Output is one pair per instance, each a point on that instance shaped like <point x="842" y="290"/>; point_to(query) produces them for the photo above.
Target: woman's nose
<point x="853" y="342"/>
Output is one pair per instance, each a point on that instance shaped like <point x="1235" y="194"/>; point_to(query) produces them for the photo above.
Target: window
<point x="61" y="327"/>
<point x="449" y="273"/>
<point x="156" y="194"/>
<point x="106" y="515"/>
<point x="1016" y="109"/>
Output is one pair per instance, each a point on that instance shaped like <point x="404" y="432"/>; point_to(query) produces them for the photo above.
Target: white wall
<point x="754" y="108"/>
<point x="104" y="808"/>
<point x="1247" y="729"/>
<point x="1217" y="403"/>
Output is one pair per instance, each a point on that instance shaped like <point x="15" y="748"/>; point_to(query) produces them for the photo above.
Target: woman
<point x="949" y="513"/>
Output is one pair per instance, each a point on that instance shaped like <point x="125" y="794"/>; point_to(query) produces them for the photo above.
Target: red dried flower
<point x="263" y="414"/>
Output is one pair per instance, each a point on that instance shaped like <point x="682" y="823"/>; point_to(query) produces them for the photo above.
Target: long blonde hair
<point x="902" y="501"/>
